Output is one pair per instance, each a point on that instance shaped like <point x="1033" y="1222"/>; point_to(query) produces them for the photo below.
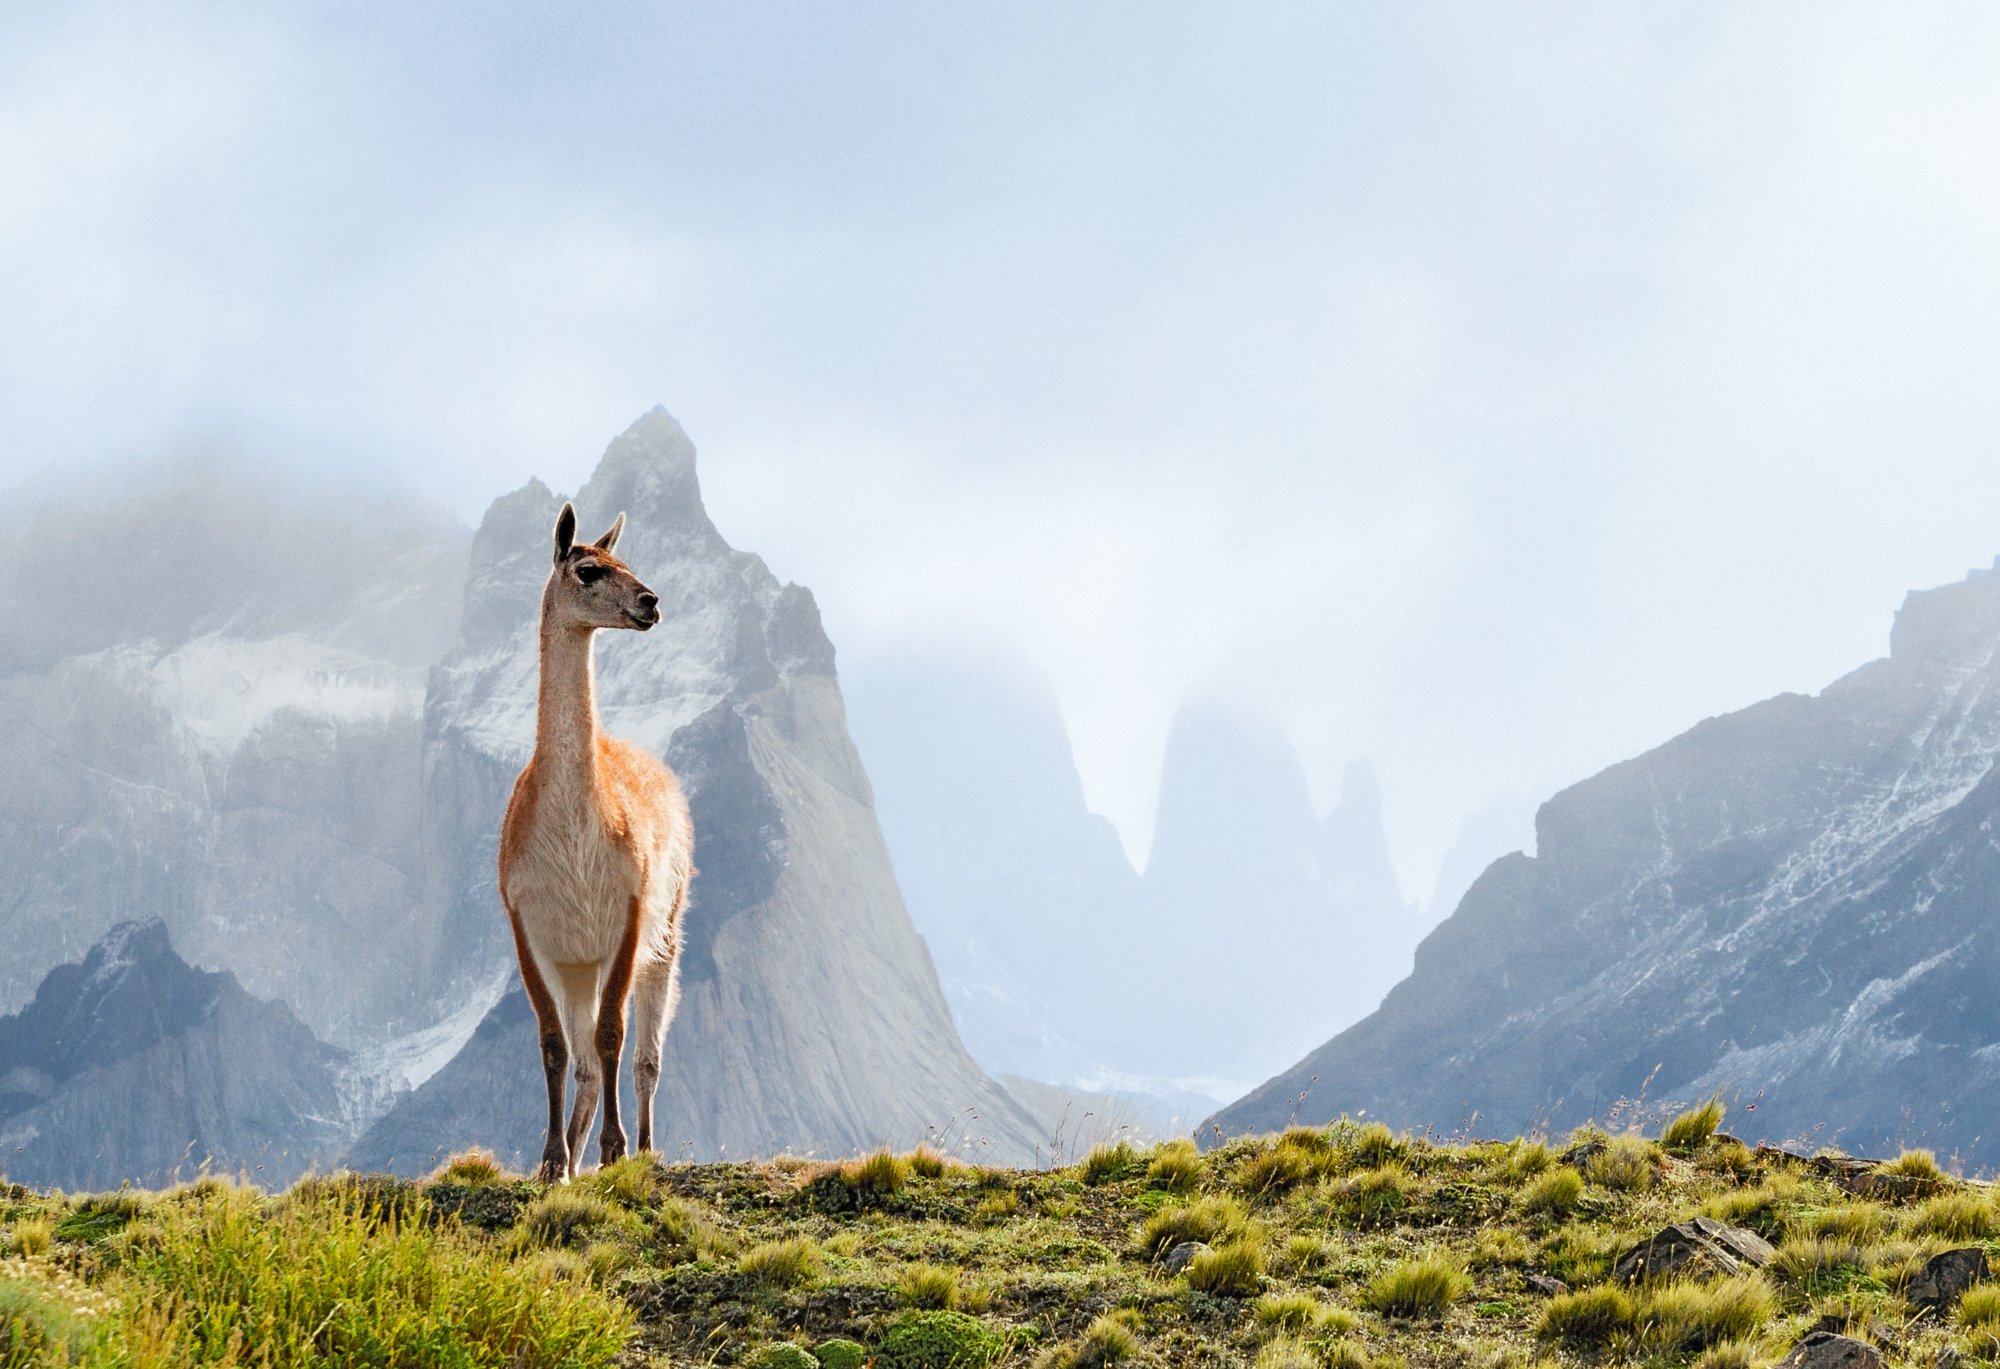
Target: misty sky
<point x="1491" y="390"/>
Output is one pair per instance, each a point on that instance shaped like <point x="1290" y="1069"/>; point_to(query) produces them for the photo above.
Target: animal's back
<point x="641" y="785"/>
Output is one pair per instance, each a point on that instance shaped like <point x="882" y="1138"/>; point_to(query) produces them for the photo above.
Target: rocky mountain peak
<point x="648" y="473"/>
<point x="1952" y="625"/>
<point x="129" y="992"/>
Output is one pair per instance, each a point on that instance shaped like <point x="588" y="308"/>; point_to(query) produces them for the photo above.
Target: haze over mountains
<point x="1793" y="905"/>
<point x="1256" y="927"/>
<point x="286" y="751"/>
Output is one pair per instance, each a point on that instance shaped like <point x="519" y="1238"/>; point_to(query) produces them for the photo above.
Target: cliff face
<point x="133" y="1066"/>
<point x="810" y="1014"/>
<point x="1793" y="904"/>
<point x="228" y="742"/>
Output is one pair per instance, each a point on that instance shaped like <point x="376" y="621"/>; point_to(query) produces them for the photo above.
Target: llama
<point x="596" y="852"/>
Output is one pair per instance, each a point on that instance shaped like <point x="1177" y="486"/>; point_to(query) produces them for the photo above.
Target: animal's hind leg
<point x="577" y="987"/>
<point x="655" y="990"/>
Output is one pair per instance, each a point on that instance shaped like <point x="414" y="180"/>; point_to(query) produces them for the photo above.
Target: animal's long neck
<point x="566" y="706"/>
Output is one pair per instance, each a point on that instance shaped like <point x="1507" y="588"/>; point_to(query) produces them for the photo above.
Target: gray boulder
<point x="1700" y="1246"/>
<point x="1825" y="1350"/>
<point x="1945" y="1277"/>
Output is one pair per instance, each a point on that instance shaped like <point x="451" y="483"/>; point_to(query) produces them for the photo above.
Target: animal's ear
<point x="610" y="539"/>
<point x="565" y="530"/>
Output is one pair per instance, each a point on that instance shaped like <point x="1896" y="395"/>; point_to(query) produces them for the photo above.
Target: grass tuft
<point x="473" y="1168"/>
<point x="1590" y="1319"/>
<point x="1629" y="1164"/>
<point x="1956" y="1216"/>
<point x="781" y="1264"/>
<point x="1979" y="1309"/>
<point x="1683" y="1318"/>
<point x="1690" y="1131"/>
<point x="1423" y="1287"/>
<point x="1109" y="1163"/>
<point x="1915" y="1164"/>
<point x="1176" y="1167"/>
<point x="1553" y="1194"/>
<point x="1208" y="1220"/>
<point x="929" y="1285"/>
<point x="1234" y="1270"/>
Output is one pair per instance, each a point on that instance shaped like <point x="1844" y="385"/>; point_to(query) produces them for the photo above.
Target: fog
<point x="1491" y="392"/>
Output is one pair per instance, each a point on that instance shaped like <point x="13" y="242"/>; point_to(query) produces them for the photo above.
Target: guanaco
<point x="596" y="853"/>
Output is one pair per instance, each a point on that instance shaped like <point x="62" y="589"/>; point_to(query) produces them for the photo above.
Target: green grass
<point x="1346" y="1247"/>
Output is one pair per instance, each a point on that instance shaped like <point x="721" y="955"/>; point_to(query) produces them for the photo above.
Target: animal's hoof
<point x="554" y="1169"/>
<point x="613" y="1151"/>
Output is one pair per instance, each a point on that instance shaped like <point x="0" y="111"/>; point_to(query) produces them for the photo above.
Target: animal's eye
<point x="590" y="572"/>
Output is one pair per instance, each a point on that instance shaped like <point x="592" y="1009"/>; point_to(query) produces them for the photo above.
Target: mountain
<point x="1024" y="895"/>
<point x="810" y="1015"/>
<point x="134" y="1066"/>
<point x="1257" y="927"/>
<point x="1792" y="905"/>
<point x="228" y="739"/>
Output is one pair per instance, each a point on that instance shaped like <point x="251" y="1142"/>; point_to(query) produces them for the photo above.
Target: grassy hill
<point x="1344" y="1248"/>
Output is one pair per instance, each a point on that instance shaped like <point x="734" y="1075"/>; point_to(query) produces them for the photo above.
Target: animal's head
<point x="592" y="588"/>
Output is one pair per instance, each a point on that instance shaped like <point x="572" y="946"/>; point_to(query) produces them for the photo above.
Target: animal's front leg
<point x="555" y="1150"/>
<point x="611" y="1029"/>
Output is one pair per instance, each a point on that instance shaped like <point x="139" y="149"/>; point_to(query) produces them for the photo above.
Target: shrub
<point x="1554" y="1194"/>
<point x="472" y="1168"/>
<point x="1235" y="1270"/>
<point x="1690" y="1131"/>
<point x="1955" y="1216"/>
<point x="936" y="1340"/>
<point x="1423" y="1287"/>
<point x="1682" y="1318"/>
<point x="780" y="1264"/>
<point x="1176" y="1167"/>
<point x="783" y="1355"/>
<point x="840" y="1353"/>
<point x="1590" y="1319"/>
<point x="1105" y="1163"/>
<point x="1209" y="1220"/>
<point x="1629" y="1164"/>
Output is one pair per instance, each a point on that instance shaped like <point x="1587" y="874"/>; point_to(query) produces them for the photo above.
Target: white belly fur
<point x="572" y="885"/>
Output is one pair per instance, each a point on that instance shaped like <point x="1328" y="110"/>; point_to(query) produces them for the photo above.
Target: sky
<point x="1488" y="391"/>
